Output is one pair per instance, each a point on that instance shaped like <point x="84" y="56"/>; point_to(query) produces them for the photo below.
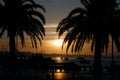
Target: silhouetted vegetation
<point x="96" y="21"/>
<point x="20" y="18"/>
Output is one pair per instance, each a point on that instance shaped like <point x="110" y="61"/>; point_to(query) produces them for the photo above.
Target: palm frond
<point x="39" y="26"/>
<point x="86" y="3"/>
<point x="37" y="14"/>
<point x="21" y="35"/>
<point x="116" y="40"/>
<point x="78" y="11"/>
<point x="92" y="45"/>
<point x="105" y="43"/>
<point x="25" y="1"/>
<point x="2" y="31"/>
<point x="30" y="6"/>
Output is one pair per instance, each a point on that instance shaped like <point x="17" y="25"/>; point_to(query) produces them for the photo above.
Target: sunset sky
<point x="56" y="10"/>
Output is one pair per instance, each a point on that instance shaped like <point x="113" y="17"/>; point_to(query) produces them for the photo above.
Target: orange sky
<point x="48" y="47"/>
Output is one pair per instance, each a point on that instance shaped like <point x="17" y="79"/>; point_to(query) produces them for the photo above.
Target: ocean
<point x="105" y="59"/>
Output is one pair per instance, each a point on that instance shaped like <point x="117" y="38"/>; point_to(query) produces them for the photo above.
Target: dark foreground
<point x="36" y="67"/>
<point x="52" y="73"/>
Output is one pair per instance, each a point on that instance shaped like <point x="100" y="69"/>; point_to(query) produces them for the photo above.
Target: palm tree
<point x="93" y="22"/>
<point x="20" y="18"/>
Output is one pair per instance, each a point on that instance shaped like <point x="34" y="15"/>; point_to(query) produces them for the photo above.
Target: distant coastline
<point x="58" y="55"/>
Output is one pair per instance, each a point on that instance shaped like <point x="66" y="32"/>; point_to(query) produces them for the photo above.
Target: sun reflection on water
<point x="58" y="59"/>
<point x="60" y="70"/>
<point x="59" y="74"/>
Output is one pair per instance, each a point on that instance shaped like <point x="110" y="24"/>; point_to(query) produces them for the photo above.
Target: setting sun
<point x="58" y="42"/>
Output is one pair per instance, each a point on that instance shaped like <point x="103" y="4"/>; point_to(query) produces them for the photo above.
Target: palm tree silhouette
<point x="20" y="18"/>
<point x="96" y="21"/>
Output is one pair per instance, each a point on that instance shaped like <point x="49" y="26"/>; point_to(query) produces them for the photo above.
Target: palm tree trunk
<point x="97" y="57"/>
<point x="112" y="64"/>
<point x="13" y="56"/>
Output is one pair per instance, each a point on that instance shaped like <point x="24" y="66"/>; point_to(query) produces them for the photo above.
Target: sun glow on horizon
<point x="58" y="42"/>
